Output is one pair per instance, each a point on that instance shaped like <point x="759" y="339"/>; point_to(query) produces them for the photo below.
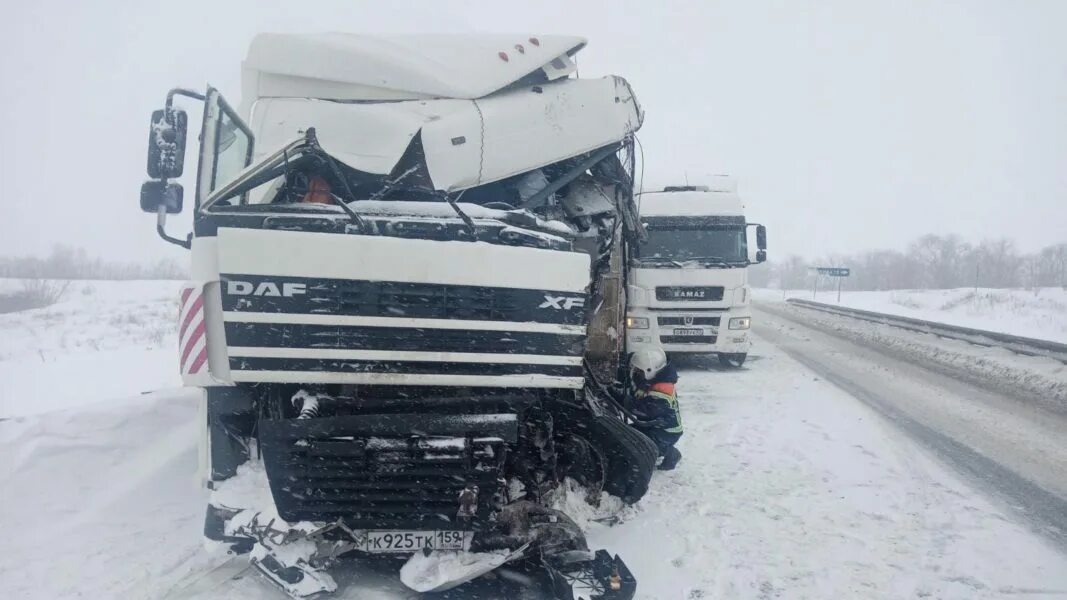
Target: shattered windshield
<point x="708" y="246"/>
<point x="231" y="151"/>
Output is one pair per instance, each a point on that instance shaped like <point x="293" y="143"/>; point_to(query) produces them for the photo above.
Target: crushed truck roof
<point x="343" y="66"/>
<point x="477" y="108"/>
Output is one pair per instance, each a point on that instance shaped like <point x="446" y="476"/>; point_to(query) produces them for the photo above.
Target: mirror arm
<point x="182" y="92"/>
<point x="161" y="222"/>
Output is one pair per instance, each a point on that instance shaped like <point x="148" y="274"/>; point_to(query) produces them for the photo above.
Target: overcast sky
<point x="850" y="124"/>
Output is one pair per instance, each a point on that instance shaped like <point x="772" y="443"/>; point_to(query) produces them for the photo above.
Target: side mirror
<point x="157" y="194"/>
<point x="166" y="143"/>
<point x="761" y="256"/>
<point x="761" y="239"/>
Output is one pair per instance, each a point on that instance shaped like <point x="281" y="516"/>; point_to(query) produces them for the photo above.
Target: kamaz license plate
<point x="384" y="541"/>
<point x="688" y="332"/>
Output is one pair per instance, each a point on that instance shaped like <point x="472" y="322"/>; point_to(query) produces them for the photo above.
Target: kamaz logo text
<point x="265" y="288"/>
<point x="562" y="302"/>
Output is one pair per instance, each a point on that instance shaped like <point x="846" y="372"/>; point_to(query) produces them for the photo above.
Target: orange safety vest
<point x="665" y="391"/>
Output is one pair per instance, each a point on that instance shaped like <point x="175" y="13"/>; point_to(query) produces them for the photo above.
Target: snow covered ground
<point x="1040" y="314"/>
<point x="789" y="488"/>
<point x="102" y="340"/>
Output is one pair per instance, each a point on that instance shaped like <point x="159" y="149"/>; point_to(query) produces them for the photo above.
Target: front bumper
<point x="676" y="332"/>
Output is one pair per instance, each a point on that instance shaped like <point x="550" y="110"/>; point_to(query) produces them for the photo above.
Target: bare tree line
<point x="930" y="262"/>
<point x="65" y="262"/>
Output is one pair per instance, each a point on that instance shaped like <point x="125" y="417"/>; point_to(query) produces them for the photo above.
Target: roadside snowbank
<point x="1040" y="314"/>
<point x="1041" y="381"/>
<point x="100" y="502"/>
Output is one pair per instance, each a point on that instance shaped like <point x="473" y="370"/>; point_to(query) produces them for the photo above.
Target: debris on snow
<point x="444" y="570"/>
<point x="585" y="508"/>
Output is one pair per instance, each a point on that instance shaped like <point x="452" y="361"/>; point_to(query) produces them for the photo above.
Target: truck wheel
<point x="631" y="458"/>
<point x="732" y="360"/>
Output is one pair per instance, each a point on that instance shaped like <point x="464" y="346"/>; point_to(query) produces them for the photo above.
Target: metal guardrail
<point x="979" y="337"/>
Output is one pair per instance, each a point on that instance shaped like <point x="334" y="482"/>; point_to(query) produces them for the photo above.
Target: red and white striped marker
<point x="192" y="343"/>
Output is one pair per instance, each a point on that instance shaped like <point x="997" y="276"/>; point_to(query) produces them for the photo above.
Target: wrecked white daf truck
<point x="405" y="307"/>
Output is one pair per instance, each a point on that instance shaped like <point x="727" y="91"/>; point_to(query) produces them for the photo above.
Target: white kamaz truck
<point x="406" y="266"/>
<point x="688" y="282"/>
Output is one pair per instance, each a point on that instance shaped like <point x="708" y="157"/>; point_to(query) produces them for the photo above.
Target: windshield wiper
<point x="714" y="260"/>
<point x="454" y="203"/>
<point x="659" y="259"/>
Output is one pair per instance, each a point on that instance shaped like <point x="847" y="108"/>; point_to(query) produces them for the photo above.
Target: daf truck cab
<point x="688" y="289"/>
<point x="404" y="302"/>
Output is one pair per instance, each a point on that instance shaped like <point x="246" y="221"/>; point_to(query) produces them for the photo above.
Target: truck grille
<point x="698" y="294"/>
<point x="351" y="297"/>
<point x="389" y="299"/>
<point x="687" y="321"/>
<point x="373" y="472"/>
<point x="384" y="333"/>
<point x="687" y="339"/>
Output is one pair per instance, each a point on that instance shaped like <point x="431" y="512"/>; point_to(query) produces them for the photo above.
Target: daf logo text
<point x="265" y="288"/>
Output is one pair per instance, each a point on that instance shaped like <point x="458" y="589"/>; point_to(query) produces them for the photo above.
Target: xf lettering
<point x="562" y="302"/>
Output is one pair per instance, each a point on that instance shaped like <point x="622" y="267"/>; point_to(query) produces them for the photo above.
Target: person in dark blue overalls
<point x="654" y="402"/>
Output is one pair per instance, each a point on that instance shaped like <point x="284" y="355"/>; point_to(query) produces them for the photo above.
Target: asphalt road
<point x="1010" y="448"/>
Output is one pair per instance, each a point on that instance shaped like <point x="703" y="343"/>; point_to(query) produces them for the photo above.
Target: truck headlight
<point x="637" y="322"/>
<point x="740" y="323"/>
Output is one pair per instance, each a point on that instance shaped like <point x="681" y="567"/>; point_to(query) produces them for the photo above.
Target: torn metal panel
<point x="587" y="198"/>
<point x="466" y="143"/>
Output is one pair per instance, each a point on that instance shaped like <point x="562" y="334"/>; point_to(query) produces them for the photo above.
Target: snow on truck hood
<point x="343" y="66"/>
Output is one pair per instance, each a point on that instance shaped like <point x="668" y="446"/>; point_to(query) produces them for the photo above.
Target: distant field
<point x="1038" y="314"/>
<point x="102" y="340"/>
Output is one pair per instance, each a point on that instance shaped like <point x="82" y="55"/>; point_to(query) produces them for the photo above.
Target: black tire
<point x="732" y="361"/>
<point x="630" y="455"/>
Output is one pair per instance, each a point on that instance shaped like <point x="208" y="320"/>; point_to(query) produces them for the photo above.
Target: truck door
<point x="226" y="145"/>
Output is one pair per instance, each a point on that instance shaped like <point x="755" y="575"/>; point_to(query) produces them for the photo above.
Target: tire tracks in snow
<point x="1043" y="510"/>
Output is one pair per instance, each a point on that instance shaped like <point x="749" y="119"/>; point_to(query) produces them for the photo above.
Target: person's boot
<point x="671" y="456"/>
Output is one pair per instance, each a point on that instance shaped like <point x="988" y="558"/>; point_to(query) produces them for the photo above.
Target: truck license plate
<point x="688" y="332"/>
<point x="384" y="541"/>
